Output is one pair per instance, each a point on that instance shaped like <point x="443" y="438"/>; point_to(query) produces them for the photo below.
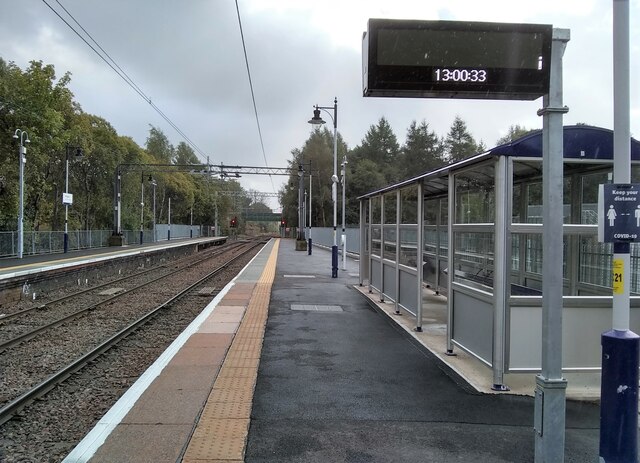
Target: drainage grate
<point x="316" y="308"/>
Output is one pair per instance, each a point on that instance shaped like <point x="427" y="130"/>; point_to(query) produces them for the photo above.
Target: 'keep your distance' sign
<point x="619" y="212"/>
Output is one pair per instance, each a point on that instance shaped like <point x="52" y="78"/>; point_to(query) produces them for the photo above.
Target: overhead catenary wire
<point x="121" y="73"/>
<point x="253" y="97"/>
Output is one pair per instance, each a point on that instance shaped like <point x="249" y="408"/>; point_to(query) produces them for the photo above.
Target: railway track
<point x="21" y="399"/>
<point x="65" y="309"/>
<point x="6" y="317"/>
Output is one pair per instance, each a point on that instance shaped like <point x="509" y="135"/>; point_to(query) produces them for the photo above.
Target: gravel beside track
<point x="49" y="428"/>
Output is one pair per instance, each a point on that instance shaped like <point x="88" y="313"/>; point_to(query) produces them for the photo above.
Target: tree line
<point x="377" y="161"/>
<point x="37" y="102"/>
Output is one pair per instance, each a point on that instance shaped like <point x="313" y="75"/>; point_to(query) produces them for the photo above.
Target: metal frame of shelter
<point x="484" y="212"/>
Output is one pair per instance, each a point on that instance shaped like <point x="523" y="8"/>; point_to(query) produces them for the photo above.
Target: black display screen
<point x="452" y="59"/>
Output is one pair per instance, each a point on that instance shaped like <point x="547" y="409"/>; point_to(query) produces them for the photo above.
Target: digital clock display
<point x="460" y="75"/>
<point x="456" y="59"/>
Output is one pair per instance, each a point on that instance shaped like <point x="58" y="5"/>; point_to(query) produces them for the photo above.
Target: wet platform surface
<point x="351" y="386"/>
<point x="326" y="377"/>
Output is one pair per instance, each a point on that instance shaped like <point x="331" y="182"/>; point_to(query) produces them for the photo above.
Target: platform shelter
<point x="472" y="231"/>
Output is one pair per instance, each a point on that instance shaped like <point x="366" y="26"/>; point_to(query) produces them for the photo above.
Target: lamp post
<point x="300" y="204"/>
<point x="153" y="183"/>
<point x="24" y="138"/>
<point x="310" y="203"/>
<point x="169" y="221"/>
<point x="343" y="173"/>
<point x="316" y="120"/>
<point x="67" y="199"/>
<point x="141" y="207"/>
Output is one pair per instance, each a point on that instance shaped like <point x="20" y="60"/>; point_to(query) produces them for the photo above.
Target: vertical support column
<point x="438" y="243"/>
<point x="450" y="253"/>
<point x="573" y="266"/>
<point x="363" y="252"/>
<point x="215" y="220"/>
<point x="397" y="269"/>
<point x="23" y="160"/>
<point x="300" y="203"/>
<point x="169" y="221"/>
<point x="620" y="346"/>
<point x="65" y="242"/>
<point x="419" y="253"/>
<point x="370" y="240"/>
<point x="118" y="201"/>
<point x="309" y="251"/>
<point x="344" y="207"/>
<point x="142" y="207"/>
<point x="155" y="236"/>
<point x="502" y="274"/>
<point x="382" y="248"/>
<point x="549" y="411"/>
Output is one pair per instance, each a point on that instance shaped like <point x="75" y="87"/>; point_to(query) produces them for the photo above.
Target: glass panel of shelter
<point x="473" y="227"/>
<point x="587" y="263"/>
<point x="435" y="237"/>
<point x="409" y="226"/>
<point x="390" y="219"/>
<point x="376" y="226"/>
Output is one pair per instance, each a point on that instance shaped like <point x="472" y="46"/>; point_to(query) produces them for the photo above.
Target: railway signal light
<point x="234" y="222"/>
<point x="283" y="222"/>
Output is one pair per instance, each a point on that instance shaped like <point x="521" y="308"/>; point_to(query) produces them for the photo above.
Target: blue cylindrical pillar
<point x="310" y="243"/>
<point x="619" y="397"/>
<point x="334" y="261"/>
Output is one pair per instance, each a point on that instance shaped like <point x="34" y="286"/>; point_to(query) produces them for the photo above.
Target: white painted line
<point x="299" y="276"/>
<point x="316" y="308"/>
<point x="88" y="446"/>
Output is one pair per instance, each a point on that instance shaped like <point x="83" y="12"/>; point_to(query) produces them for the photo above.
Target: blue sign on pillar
<point x="619" y="212"/>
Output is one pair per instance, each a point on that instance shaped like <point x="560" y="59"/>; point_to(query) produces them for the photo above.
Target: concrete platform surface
<point x="351" y="386"/>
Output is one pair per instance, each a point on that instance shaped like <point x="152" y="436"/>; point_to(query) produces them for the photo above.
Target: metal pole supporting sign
<point x="549" y="412"/>
<point x="619" y="384"/>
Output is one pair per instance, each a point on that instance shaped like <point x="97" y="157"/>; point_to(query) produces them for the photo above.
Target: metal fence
<point x="49" y="242"/>
<point x="324" y="236"/>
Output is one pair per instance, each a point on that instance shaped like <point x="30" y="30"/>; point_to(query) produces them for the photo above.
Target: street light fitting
<point x="316" y="119"/>
<point x="21" y="132"/>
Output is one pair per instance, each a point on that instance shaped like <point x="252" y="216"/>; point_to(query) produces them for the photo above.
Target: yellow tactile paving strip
<point x="221" y="433"/>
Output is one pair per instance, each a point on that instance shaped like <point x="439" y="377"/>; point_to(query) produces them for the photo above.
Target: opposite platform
<point x="32" y="264"/>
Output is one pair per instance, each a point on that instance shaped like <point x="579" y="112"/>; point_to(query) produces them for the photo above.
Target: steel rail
<point x="19" y="313"/>
<point x="7" y="412"/>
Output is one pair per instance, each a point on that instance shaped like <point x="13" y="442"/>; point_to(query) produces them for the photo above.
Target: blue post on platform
<point x="310" y="244"/>
<point x="619" y="397"/>
<point x="334" y="261"/>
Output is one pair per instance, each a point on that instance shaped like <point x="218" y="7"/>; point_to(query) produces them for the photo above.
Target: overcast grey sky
<point x="187" y="56"/>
